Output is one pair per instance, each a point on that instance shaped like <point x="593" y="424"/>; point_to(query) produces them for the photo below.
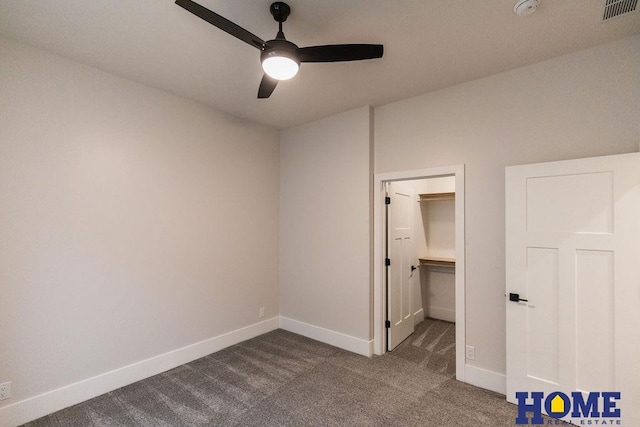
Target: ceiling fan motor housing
<point x="279" y="47"/>
<point x="280" y="11"/>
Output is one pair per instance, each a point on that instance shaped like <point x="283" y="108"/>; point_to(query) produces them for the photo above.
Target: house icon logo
<point x="557" y="405"/>
<point x="583" y="408"/>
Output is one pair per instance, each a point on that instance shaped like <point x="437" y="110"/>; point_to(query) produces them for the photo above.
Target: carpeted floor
<point x="283" y="379"/>
<point x="432" y="346"/>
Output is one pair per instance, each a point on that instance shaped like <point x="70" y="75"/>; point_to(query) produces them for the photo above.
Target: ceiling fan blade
<point x="340" y="52"/>
<point x="267" y="85"/>
<point x="221" y="22"/>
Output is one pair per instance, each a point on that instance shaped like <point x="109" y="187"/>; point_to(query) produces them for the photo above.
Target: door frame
<point x="379" y="296"/>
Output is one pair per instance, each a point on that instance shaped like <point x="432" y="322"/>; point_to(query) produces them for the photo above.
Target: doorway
<point x="381" y="303"/>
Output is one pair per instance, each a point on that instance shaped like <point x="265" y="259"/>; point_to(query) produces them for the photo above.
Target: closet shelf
<point x="434" y="197"/>
<point x="437" y="262"/>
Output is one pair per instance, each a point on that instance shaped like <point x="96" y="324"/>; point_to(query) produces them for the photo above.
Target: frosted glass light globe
<point x="280" y="67"/>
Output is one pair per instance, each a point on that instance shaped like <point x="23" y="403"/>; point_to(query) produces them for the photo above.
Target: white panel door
<point x="573" y="253"/>
<point x="400" y="253"/>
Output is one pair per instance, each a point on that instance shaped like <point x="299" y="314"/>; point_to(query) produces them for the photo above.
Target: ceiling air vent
<point x="613" y="8"/>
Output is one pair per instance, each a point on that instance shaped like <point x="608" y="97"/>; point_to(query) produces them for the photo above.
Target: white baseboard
<point x="52" y="401"/>
<point x="327" y="336"/>
<point x="55" y="400"/>
<point x="418" y="316"/>
<point x="486" y="379"/>
<point x="446" y="314"/>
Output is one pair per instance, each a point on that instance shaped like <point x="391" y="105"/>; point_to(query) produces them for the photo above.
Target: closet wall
<point x="434" y="224"/>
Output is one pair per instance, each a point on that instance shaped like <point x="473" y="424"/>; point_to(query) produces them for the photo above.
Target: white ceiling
<point x="428" y="45"/>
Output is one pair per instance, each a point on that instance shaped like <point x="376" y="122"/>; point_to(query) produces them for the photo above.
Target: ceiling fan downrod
<point x="280" y="12"/>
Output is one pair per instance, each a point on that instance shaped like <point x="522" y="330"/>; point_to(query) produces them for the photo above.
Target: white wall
<point x="436" y="220"/>
<point x="325" y="226"/>
<point x="132" y="222"/>
<point x="579" y="105"/>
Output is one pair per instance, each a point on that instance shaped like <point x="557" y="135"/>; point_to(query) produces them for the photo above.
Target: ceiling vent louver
<point x="613" y="8"/>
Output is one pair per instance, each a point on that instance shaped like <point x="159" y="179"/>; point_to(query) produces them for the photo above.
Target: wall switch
<point x="5" y="390"/>
<point x="261" y="313"/>
<point x="471" y="352"/>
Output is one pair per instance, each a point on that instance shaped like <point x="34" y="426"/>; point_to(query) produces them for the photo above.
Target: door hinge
<point x="387" y="323"/>
<point x="387" y="200"/>
<point x="387" y="262"/>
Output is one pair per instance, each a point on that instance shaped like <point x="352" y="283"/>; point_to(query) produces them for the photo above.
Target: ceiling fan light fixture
<point x="279" y="59"/>
<point x="280" y="67"/>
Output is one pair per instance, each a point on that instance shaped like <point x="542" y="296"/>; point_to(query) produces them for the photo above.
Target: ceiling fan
<point x="280" y="58"/>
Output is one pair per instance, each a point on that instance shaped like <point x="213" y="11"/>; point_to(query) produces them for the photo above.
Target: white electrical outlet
<point x="261" y="313"/>
<point x="5" y="390"/>
<point x="471" y="352"/>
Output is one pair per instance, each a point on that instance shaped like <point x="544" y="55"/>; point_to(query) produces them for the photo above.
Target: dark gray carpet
<point x="283" y="379"/>
<point x="432" y="346"/>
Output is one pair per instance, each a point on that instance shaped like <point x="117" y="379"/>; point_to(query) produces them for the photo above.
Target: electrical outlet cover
<point x="5" y="390"/>
<point x="471" y="352"/>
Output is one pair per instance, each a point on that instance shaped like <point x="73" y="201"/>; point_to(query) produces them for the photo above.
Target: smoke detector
<point x="525" y="7"/>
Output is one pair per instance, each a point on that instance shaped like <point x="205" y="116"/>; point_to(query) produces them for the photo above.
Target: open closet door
<point x="400" y="251"/>
<point x="573" y="281"/>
